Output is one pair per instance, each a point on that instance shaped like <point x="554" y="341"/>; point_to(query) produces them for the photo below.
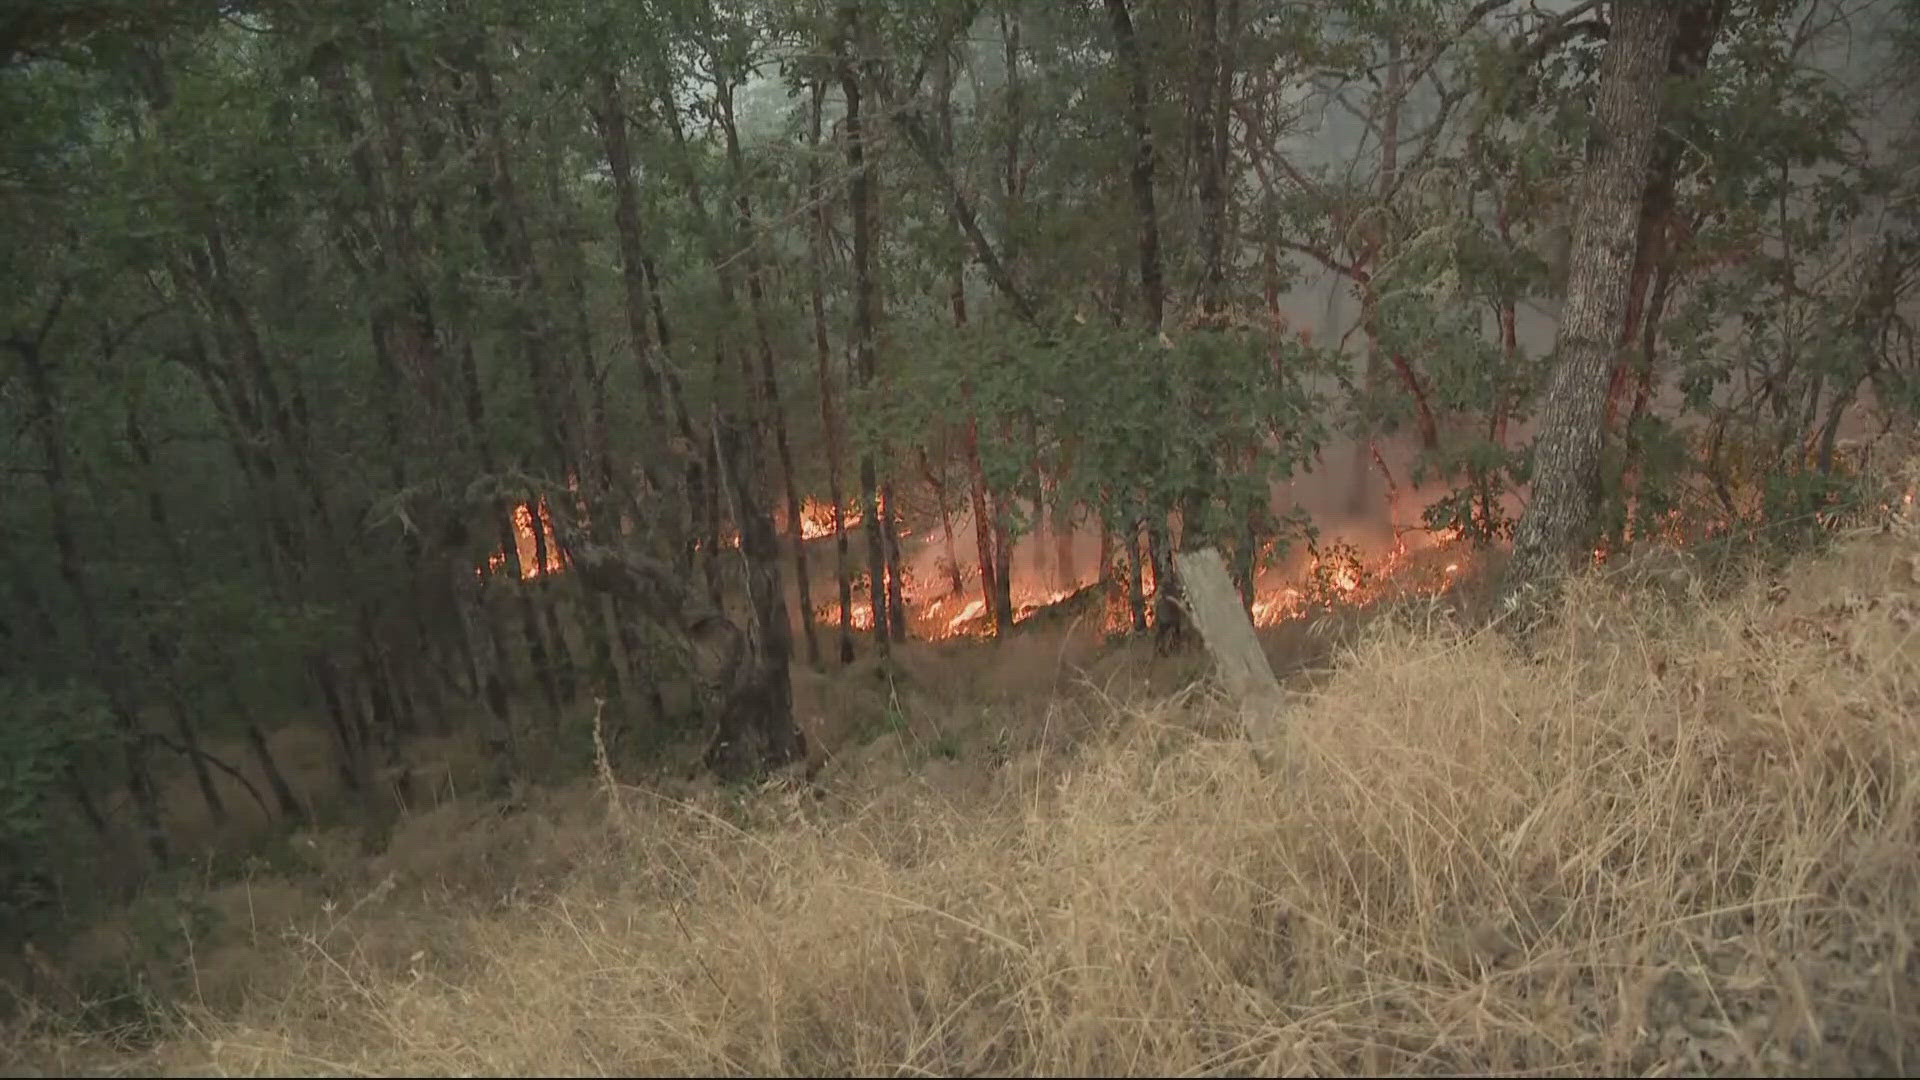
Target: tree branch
<point x="922" y="144"/>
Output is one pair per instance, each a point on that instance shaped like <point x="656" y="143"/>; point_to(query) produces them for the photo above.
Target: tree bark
<point x="1146" y="220"/>
<point x="610" y="117"/>
<point x="756" y="731"/>
<point x="774" y="411"/>
<point x="53" y="445"/>
<point x="1698" y="27"/>
<point x="1215" y="65"/>
<point x="829" y="416"/>
<point x="1566" y="457"/>
<point x="166" y="653"/>
<point x="865" y="315"/>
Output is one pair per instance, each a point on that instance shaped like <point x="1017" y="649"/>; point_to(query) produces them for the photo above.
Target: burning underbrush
<point x="1338" y="574"/>
<point x="1668" y="838"/>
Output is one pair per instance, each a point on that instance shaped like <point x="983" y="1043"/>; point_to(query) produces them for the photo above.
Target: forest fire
<point x="529" y="546"/>
<point x="1337" y="574"/>
<point x="816" y="519"/>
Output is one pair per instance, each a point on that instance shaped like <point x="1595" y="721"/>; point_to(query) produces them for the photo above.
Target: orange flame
<point x="527" y="547"/>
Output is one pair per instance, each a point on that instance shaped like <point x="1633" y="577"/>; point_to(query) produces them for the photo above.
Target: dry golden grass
<point x="1668" y="839"/>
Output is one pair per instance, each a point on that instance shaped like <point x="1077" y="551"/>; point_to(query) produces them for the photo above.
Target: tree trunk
<point x="756" y="731"/>
<point x="107" y="666"/>
<point x="978" y="496"/>
<point x="546" y="560"/>
<point x="283" y="796"/>
<point x="1698" y="27"/>
<point x="1215" y="67"/>
<point x="955" y="583"/>
<point x="865" y="315"/>
<point x="164" y="652"/>
<point x="1009" y="15"/>
<point x="984" y="532"/>
<point x="896" y="576"/>
<point x="829" y="417"/>
<point x="1566" y="463"/>
<point x="1152" y="284"/>
<point x="1146" y="221"/>
<point x="1136" y="583"/>
<point x="774" y="413"/>
<point x="639" y="295"/>
<point x="83" y="798"/>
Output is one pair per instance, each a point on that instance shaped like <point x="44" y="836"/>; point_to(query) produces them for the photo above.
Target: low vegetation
<point x="1675" y="834"/>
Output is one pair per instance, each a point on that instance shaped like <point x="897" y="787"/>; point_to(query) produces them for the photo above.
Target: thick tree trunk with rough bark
<point x="1566" y="458"/>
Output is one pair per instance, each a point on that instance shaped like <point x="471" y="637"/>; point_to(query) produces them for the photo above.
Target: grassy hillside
<point x="1680" y="835"/>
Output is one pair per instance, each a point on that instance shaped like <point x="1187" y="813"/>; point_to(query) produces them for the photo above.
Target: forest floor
<point x="1679" y="834"/>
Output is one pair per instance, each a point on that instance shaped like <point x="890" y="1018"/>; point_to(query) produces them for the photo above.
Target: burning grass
<point x="1671" y="838"/>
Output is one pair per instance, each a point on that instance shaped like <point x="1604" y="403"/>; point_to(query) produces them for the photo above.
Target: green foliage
<point x="359" y="279"/>
<point x="44" y="733"/>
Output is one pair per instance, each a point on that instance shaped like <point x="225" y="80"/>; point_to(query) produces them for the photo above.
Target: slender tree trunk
<point x="978" y="496"/>
<point x="546" y="559"/>
<point x="896" y="576"/>
<point x="505" y="234"/>
<point x="1136" y="585"/>
<point x="823" y="355"/>
<point x="83" y="798"/>
<point x="984" y="532"/>
<point x="639" y="296"/>
<point x="1699" y="26"/>
<point x="1009" y="15"/>
<point x="53" y="445"/>
<point x="1566" y="465"/>
<point x="1215" y="64"/>
<point x="775" y="411"/>
<point x="866" y="314"/>
<point x="283" y="796"/>
<point x="955" y="583"/>
<point x="509" y="540"/>
<point x="1002" y="549"/>
<point x="1152" y="284"/>
<point x="165" y="653"/>
<point x="1146" y="220"/>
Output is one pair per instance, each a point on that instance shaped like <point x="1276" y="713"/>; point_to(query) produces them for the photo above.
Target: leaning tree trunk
<point x="53" y="444"/>
<point x="1566" y="458"/>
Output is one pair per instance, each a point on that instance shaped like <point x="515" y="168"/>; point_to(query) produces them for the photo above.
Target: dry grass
<point x="1670" y="839"/>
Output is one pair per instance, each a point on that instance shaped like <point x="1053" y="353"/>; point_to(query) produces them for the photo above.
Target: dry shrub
<point x="1664" y="839"/>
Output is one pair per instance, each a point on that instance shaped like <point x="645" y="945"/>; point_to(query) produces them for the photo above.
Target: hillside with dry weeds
<point x="1674" y="836"/>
